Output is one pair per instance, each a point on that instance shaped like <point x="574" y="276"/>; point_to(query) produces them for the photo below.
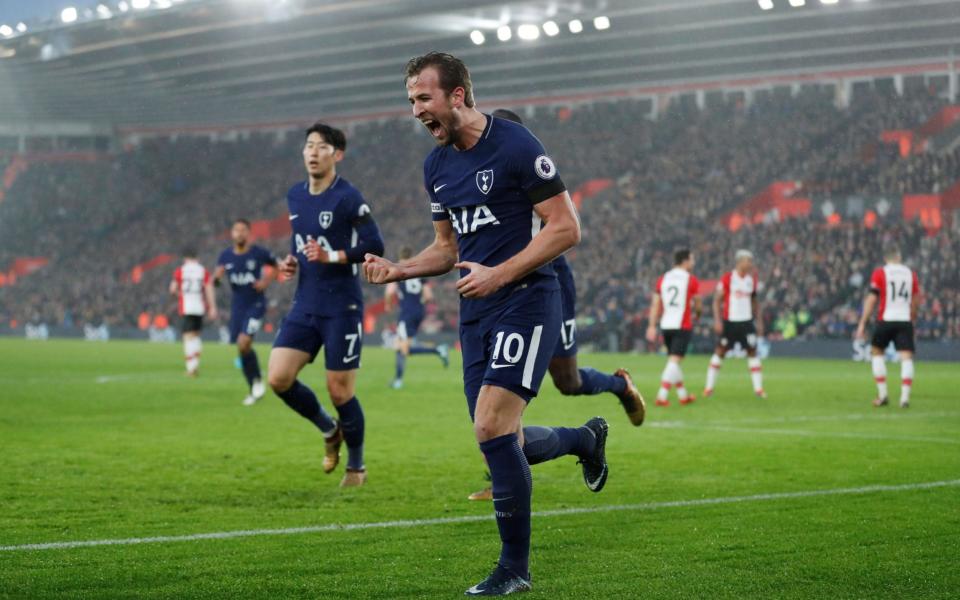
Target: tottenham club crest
<point x="545" y="167"/>
<point x="251" y="264"/>
<point x="485" y="180"/>
<point x="326" y="218"/>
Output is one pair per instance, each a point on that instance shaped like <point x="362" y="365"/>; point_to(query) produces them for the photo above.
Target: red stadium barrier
<point x="21" y="267"/>
<point x="940" y="121"/>
<point x="136" y="273"/>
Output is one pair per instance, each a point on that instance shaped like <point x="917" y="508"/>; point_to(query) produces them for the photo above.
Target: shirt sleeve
<point x="369" y="239"/>
<point x="222" y="259"/>
<point x="694" y="286"/>
<point x="876" y="281"/>
<point x="178" y="275"/>
<point x="535" y="169"/>
<point x="206" y="277"/>
<point x="437" y="212"/>
<point x="916" y="284"/>
<point x="658" y="287"/>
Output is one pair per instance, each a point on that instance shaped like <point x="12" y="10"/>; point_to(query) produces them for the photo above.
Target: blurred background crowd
<point x="670" y="183"/>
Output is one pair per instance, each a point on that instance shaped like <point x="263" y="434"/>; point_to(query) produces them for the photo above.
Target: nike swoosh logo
<point x="496" y="366"/>
<point x="502" y="499"/>
<point x="292" y="217"/>
<point x="437" y="188"/>
<point x="351" y="358"/>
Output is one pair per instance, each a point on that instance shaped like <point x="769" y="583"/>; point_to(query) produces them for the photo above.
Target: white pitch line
<point x="808" y="433"/>
<point x="417" y="523"/>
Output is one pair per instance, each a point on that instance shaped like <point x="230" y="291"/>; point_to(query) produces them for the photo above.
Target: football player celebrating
<point x="735" y="306"/>
<point x="249" y="269"/>
<point x="488" y="179"/>
<point x="567" y="376"/>
<point x="332" y="231"/>
<point x="676" y="304"/>
<point x="895" y="293"/>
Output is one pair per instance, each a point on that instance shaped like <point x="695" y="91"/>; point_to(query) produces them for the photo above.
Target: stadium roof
<point x="231" y="61"/>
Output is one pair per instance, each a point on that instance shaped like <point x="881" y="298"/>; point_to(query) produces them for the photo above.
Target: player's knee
<point x="279" y="380"/>
<point x="244" y="344"/>
<point x="568" y="383"/>
<point x="340" y="391"/>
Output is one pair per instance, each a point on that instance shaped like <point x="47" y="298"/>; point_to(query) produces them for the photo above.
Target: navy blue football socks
<point x="401" y="363"/>
<point x="512" y="488"/>
<point x="593" y="382"/>
<point x="301" y="399"/>
<point x="541" y="444"/>
<point x="351" y="422"/>
<point x="251" y="366"/>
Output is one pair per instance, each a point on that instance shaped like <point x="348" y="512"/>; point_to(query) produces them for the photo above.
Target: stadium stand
<point x="669" y="182"/>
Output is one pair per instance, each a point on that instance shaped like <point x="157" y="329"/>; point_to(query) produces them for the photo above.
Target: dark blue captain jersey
<point x="242" y="270"/>
<point x="338" y="219"/>
<point x="410" y="294"/>
<point x="488" y="193"/>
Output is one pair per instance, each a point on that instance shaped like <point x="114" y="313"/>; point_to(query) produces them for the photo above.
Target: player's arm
<point x="877" y="283"/>
<point x="218" y="275"/>
<point x="436" y="259"/>
<point x="755" y="304"/>
<point x="561" y="231"/>
<point x="915" y="299"/>
<point x="389" y="295"/>
<point x="697" y="308"/>
<point x="211" y="297"/>
<point x="427" y="294"/>
<point x="655" y="307"/>
<point x="174" y="287"/>
<point x="717" y="300"/>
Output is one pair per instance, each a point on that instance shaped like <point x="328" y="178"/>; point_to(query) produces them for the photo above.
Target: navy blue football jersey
<point x="488" y="193"/>
<point x="338" y="219"/>
<point x="242" y="270"/>
<point x="410" y="294"/>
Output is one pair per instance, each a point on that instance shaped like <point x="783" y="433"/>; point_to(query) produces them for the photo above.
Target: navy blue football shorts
<point x="512" y="347"/>
<point x="341" y="338"/>
<point x="246" y="319"/>
<point x="408" y="326"/>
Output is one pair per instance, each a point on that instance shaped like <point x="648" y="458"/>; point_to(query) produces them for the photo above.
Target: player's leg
<point x="343" y="338"/>
<point x="753" y="361"/>
<point x="412" y="327"/>
<point x="296" y="345"/>
<point x="906" y="377"/>
<point x="878" y="343"/>
<point x="572" y="380"/>
<point x="905" y="347"/>
<point x="716" y="361"/>
<point x="683" y="395"/>
<point x="667" y="375"/>
<point x="497" y="420"/>
<point x="403" y="350"/>
<point x="192" y="344"/>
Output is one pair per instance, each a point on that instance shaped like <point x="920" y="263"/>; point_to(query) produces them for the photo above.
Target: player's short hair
<point x="743" y="253"/>
<point x="451" y="70"/>
<point x="243" y="221"/>
<point x="330" y="135"/>
<point x="681" y="256"/>
<point x="406" y="252"/>
<point x="891" y="252"/>
<point x="509" y="115"/>
<point x="189" y="252"/>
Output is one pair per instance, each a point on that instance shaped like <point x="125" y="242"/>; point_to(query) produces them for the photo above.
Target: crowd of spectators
<point x="675" y="176"/>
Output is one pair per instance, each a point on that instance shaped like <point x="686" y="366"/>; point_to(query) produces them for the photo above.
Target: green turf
<point x="148" y="452"/>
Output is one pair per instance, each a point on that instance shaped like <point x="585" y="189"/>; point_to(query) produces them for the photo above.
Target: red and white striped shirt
<point x="191" y="277"/>
<point x="677" y="289"/>
<point x="896" y="285"/>
<point x="738" y="294"/>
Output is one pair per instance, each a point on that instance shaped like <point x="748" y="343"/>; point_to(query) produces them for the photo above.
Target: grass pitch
<point x="110" y="442"/>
